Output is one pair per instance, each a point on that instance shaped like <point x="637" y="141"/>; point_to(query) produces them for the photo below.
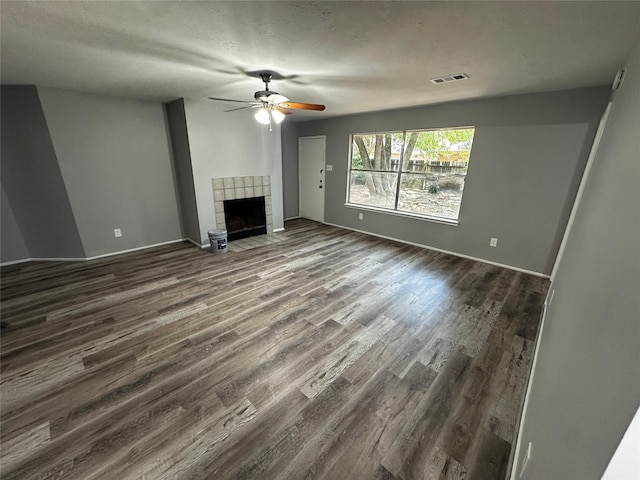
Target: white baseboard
<point x="510" y="267"/>
<point x="84" y="259"/>
<point x="292" y="218"/>
<point x="514" y="460"/>
<point x="45" y="259"/>
<point x="195" y="243"/>
<point x="15" y="262"/>
<point x="135" y="249"/>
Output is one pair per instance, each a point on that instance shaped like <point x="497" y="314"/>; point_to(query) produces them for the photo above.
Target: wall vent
<point x="617" y="82"/>
<point x="449" y="78"/>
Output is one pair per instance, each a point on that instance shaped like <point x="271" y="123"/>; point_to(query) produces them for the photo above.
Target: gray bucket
<point x="218" y="240"/>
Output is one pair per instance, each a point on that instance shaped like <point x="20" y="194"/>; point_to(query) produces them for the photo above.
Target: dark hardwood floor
<point x="326" y="355"/>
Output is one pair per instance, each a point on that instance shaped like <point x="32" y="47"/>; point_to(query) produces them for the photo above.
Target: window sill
<point x="417" y="216"/>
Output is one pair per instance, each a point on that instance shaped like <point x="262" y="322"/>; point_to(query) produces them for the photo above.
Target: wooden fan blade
<point x="283" y="111"/>
<point x="303" y="106"/>
<point x="228" y="100"/>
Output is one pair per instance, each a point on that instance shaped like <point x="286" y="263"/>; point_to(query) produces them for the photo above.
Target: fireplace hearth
<point x="245" y="217"/>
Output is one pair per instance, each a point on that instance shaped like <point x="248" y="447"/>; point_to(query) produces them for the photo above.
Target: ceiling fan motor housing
<point x="263" y="94"/>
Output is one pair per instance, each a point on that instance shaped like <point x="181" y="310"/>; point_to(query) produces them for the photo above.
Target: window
<point x="418" y="172"/>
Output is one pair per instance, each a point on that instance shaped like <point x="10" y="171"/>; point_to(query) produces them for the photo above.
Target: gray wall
<point x="528" y="156"/>
<point x="586" y="385"/>
<point x="32" y="181"/>
<point x="290" y="188"/>
<point x="12" y="245"/>
<point x="181" y="157"/>
<point x="114" y="157"/>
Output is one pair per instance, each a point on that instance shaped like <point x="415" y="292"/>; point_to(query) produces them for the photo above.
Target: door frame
<point x="324" y="182"/>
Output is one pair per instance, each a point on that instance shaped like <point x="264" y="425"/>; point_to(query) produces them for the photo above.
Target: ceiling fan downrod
<point x="266" y="78"/>
<point x="263" y="94"/>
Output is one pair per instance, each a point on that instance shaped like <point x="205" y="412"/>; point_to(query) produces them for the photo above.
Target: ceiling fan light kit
<point x="277" y="115"/>
<point x="267" y="113"/>
<point x="272" y="107"/>
<point x="263" y="116"/>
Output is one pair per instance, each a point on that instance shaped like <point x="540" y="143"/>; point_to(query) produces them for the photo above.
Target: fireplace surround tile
<point x="218" y="195"/>
<point x="233" y="188"/>
<point x="218" y="183"/>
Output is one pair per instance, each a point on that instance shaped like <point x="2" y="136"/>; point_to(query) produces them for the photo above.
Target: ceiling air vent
<point x="450" y="78"/>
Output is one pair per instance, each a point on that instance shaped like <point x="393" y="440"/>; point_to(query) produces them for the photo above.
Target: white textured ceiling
<point x="352" y="56"/>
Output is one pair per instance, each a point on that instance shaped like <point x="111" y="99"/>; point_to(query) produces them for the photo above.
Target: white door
<point x="311" y="170"/>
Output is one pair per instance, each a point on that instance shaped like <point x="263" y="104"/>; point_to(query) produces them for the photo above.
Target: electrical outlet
<point x="360" y="216"/>
<point x="117" y="232"/>
<point x="525" y="461"/>
<point x="493" y="242"/>
<point x="329" y="168"/>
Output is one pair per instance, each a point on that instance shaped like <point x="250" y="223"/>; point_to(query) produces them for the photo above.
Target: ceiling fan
<point x="272" y="106"/>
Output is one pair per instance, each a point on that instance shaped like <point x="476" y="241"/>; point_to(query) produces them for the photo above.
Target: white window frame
<point x="399" y="172"/>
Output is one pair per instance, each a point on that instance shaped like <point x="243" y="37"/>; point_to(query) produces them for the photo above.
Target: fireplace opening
<point x="245" y="217"/>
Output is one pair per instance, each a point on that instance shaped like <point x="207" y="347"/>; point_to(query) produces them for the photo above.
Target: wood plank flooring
<point x="326" y="355"/>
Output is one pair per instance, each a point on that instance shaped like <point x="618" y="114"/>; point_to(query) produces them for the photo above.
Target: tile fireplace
<point x="238" y="188"/>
